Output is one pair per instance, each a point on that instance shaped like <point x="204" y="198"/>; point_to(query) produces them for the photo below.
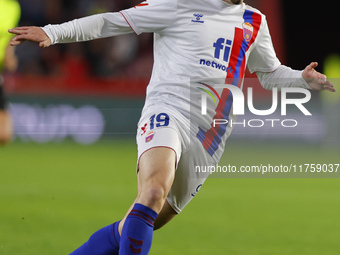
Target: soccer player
<point x="197" y="44"/>
<point x="10" y="15"/>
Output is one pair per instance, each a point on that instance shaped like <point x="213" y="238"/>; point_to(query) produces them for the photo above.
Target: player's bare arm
<point x="33" y="34"/>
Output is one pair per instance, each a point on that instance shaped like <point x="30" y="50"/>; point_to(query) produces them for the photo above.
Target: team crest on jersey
<point x="149" y="136"/>
<point x="248" y="30"/>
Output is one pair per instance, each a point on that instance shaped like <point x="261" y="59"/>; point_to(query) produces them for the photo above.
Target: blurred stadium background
<point x="71" y="166"/>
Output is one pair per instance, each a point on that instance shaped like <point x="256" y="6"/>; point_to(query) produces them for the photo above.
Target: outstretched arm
<point x="272" y="74"/>
<point x="316" y="80"/>
<point x="84" y="29"/>
<point x="283" y="77"/>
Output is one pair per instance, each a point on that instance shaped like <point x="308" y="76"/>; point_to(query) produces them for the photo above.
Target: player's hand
<point x="316" y="80"/>
<point x="33" y="34"/>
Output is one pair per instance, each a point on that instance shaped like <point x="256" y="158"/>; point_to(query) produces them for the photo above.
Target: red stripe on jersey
<point x="141" y="4"/>
<point x="238" y="40"/>
<point x="257" y="19"/>
<point x="212" y="132"/>
<point x="128" y="22"/>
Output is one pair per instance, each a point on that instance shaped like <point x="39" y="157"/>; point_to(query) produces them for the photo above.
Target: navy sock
<point x="138" y="231"/>
<point x="103" y="242"/>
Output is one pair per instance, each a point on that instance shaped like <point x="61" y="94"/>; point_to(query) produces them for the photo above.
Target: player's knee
<point x="155" y="194"/>
<point x="153" y="197"/>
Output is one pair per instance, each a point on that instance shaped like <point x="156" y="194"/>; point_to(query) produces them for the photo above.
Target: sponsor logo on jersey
<point x="149" y="136"/>
<point x="223" y="45"/>
<point x="198" y="18"/>
<point x="248" y="30"/>
<point x="222" y="51"/>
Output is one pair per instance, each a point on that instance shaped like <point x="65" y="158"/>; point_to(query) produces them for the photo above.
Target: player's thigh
<point x="156" y="169"/>
<point x="159" y="149"/>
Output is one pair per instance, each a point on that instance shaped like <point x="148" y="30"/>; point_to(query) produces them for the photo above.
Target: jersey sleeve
<point x="88" y="28"/>
<point x="263" y="57"/>
<point x="151" y="16"/>
<point x="282" y="77"/>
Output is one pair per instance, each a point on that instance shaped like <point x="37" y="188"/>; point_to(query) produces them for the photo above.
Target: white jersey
<point x="197" y="44"/>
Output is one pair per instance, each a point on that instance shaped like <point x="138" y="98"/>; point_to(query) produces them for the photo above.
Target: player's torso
<point x="209" y="42"/>
<point x="206" y="39"/>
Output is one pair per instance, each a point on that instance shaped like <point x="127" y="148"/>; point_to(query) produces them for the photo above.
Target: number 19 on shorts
<point x="160" y="120"/>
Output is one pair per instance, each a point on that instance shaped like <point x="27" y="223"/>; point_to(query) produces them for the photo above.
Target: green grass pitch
<point x="53" y="197"/>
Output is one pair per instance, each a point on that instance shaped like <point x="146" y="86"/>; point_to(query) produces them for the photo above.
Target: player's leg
<point x="166" y="215"/>
<point x="103" y="242"/>
<point x="157" y="164"/>
<point x="155" y="177"/>
<point x="106" y="240"/>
